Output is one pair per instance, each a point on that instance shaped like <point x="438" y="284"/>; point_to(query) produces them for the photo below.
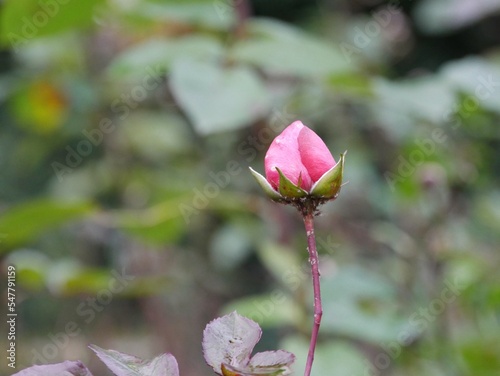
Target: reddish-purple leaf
<point x="228" y="343"/>
<point x="269" y="359"/>
<point x="128" y="365"/>
<point x="268" y="363"/>
<point x="67" y="368"/>
<point x="230" y="340"/>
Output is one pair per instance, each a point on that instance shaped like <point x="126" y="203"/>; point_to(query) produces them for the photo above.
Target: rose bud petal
<point x="284" y="154"/>
<point x="314" y="154"/>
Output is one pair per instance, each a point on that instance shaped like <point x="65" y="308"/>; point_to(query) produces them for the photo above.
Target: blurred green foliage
<point x="126" y="132"/>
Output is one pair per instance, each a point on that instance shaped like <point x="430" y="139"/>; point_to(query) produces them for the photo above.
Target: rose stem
<point x="318" y="310"/>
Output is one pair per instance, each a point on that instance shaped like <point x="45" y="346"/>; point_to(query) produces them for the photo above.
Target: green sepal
<point x="328" y="186"/>
<point x="289" y="190"/>
<point x="266" y="187"/>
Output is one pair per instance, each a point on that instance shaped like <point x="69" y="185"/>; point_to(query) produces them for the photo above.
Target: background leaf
<point x="335" y="358"/>
<point x="163" y="52"/>
<point x="444" y="16"/>
<point x="217" y="98"/>
<point x="25" y="222"/>
<point x="24" y="20"/>
<point x="195" y="12"/>
<point x="281" y="49"/>
<point x="358" y="305"/>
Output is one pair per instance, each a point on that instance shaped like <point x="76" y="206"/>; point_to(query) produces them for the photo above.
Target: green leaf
<point x="31" y="267"/>
<point x="218" y="98"/>
<point x="162" y="53"/>
<point x="282" y="49"/>
<point x="288" y="189"/>
<point x="328" y="186"/>
<point x="476" y="77"/>
<point x="24" y="20"/>
<point x="230" y="246"/>
<point x="352" y="84"/>
<point x="154" y="136"/>
<point x="128" y="365"/>
<point x="398" y="105"/>
<point x="276" y="309"/>
<point x="158" y="224"/>
<point x="219" y="15"/>
<point x="281" y="261"/>
<point x="73" y="281"/>
<point x="333" y="358"/>
<point x="67" y="277"/>
<point x="364" y="307"/>
<point x="487" y="211"/>
<point x="266" y="187"/>
<point x="25" y="222"/>
<point x="479" y="353"/>
<point x="444" y="16"/>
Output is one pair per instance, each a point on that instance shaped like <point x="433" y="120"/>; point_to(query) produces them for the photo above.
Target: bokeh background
<point x="127" y="208"/>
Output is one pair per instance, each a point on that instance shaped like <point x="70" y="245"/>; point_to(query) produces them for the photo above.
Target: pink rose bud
<point x="300" y="155"/>
<point x="298" y="164"/>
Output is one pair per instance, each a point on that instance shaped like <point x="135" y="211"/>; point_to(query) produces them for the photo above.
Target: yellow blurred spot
<point x="42" y="107"/>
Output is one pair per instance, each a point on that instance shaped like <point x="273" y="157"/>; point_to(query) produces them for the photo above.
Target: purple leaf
<point x="128" y="365"/>
<point x="67" y="368"/>
<point x="274" y="359"/>
<point x="230" y="340"/>
<point x="268" y="363"/>
<point x="228" y="343"/>
<point x="250" y="371"/>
